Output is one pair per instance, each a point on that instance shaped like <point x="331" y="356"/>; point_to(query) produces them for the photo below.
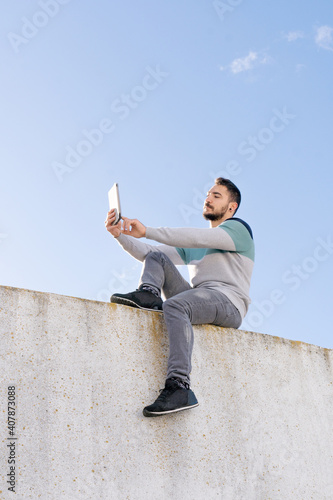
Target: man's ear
<point x="233" y="206"/>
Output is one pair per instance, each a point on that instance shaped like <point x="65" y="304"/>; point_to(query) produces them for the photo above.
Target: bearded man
<point x="220" y="261"/>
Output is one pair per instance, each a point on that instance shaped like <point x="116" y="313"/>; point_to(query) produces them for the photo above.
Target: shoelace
<point x="147" y="288"/>
<point x="163" y="394"/>
<point x="168" y="390"/>
<point x="181" y="383"/>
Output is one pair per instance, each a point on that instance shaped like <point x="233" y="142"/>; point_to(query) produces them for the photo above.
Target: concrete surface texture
<point x="82" y="372"/>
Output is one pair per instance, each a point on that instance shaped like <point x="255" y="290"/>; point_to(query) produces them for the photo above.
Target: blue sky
<point x="163" y="97"/>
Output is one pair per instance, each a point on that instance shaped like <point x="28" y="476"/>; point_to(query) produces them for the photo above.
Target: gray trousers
<point x="185" y="306"/>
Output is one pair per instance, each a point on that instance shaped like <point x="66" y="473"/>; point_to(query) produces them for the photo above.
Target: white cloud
<point x="324" y="37"/>
<point x="246" y="63"/>
<point x="294" y="35"/>
<point x="243" y="63"/>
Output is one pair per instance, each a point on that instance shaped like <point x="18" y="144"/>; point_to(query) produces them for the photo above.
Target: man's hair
<point x="234" y="192"/>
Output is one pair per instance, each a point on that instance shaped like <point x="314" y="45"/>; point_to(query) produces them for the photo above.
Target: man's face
<point x="217" y="203"/>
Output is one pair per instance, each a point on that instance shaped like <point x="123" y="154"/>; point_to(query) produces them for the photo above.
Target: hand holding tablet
<point x="131" y="227"/>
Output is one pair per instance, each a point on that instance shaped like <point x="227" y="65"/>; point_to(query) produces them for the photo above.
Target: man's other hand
<point x="133" y="227"/>
<point x="110" y="218"/>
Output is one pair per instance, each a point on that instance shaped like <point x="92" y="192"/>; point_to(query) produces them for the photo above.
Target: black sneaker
<point x="140" y="298"/>
<point x="176" y="396"/>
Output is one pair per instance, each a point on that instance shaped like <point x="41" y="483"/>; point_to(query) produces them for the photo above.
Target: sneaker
<point x="140" y="298"/>
<point x="176" y="396"/>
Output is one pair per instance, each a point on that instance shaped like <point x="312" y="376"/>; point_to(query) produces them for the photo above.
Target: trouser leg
<point x="160" y="272"/>
<point x="193" y="307"/>
<point x="184" y="307"/>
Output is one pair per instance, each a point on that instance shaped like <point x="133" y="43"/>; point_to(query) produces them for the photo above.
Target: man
<point x="220" y="260"/>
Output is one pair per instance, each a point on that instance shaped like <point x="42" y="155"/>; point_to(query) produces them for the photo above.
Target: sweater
<point x="219" y="258"/>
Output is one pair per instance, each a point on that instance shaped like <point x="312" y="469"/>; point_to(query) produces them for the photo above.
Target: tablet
<point x="114" y="202"/>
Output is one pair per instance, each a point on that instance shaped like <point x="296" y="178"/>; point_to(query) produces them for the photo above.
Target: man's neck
<point x="215" y="223"/>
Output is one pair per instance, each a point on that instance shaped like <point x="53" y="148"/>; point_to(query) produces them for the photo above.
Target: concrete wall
<point x="83" y="371"/>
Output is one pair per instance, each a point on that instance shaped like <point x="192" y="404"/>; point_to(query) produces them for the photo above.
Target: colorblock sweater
<point x="219" y="258"/>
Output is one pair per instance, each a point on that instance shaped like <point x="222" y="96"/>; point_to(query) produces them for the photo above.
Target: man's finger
<point x="128" y="223"/>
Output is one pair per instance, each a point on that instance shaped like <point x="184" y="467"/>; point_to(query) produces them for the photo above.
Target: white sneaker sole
<point x="160" y="413"/>
<point x="130" y="303"/>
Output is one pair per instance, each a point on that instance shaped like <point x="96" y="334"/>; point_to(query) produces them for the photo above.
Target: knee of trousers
<point x="174" y="306"/>
<point x="158" y="256"/>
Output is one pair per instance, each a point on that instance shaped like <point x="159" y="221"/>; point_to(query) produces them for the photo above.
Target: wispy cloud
<point x="294" y="35"/>
<point x="323" y="37"/>
<point x="246" y="63"/>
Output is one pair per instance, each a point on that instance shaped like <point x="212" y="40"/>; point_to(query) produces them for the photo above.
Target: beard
<point x="215" y="216"/>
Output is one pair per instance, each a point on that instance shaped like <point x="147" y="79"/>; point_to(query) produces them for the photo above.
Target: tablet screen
<point x="114" y="201"/>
